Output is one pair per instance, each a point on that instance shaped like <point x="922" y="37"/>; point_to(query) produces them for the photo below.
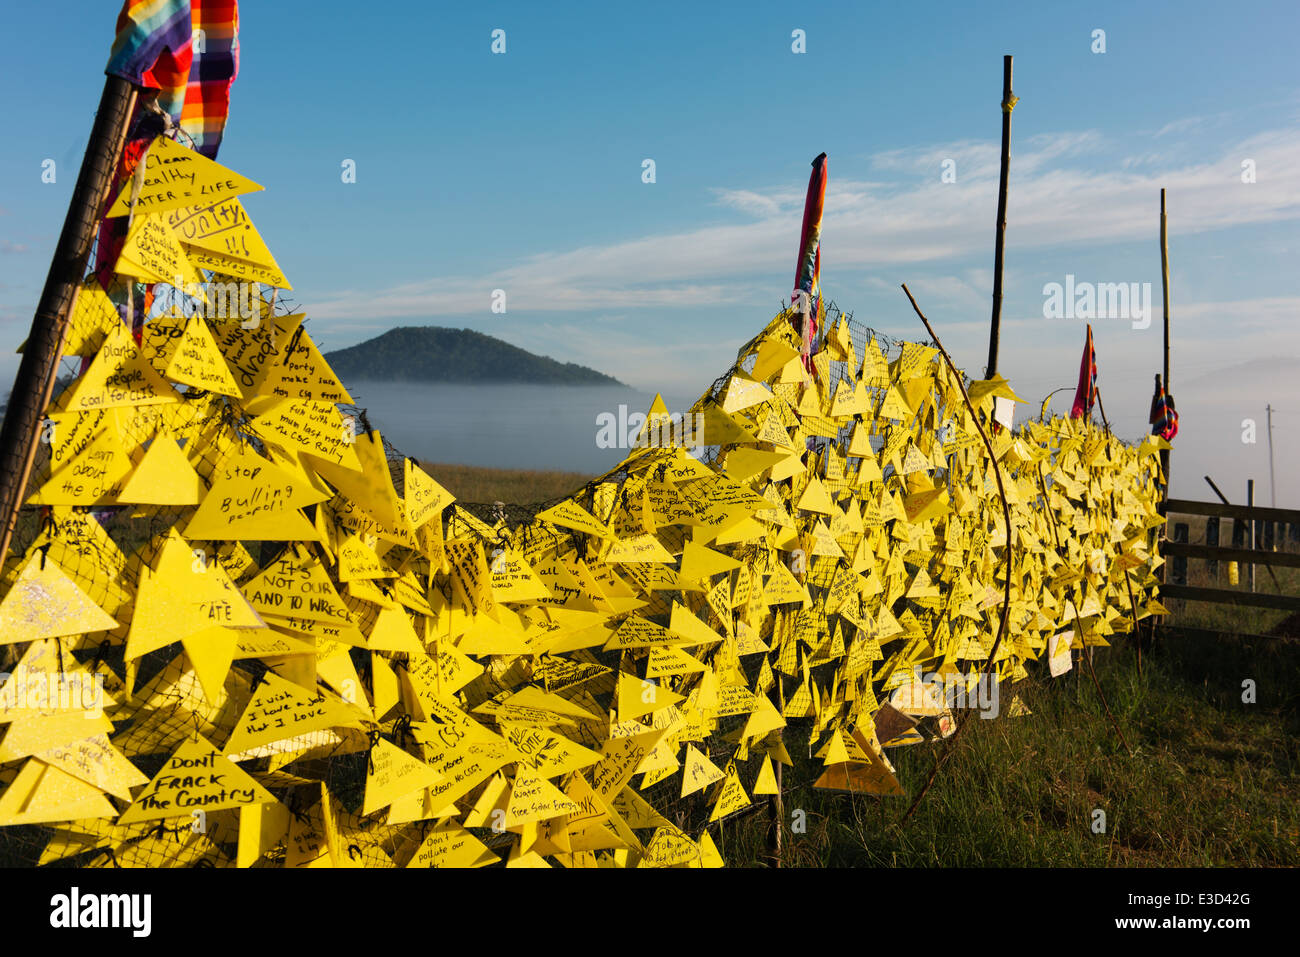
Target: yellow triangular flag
<point x="700" y="563"/>
<point x="392" y="773"/>
<point x="766" y="783"/>
<point x="424" y="498"/>
<point x="46" y="603"/>
<point x="119" y="376"/>
<point x="210" y="653"/>
<point x="731" y="797"/>
<point x="533" y="798"/>
<point x="176" y="177"/>
<point x="672" y="661"/>
<point x="281" y="709"/>
<point x="699" y="772"/>
<point x="450" y="845"/>
<point x="195" y="777"/>
<point x="42" y="794"/>
<point x="96" y="475"/>
<point x="687" y="626"/>
<point x="153" y="253"/>
<point x="194" y="359"/>
<point x="295" y="585"/>
<point x="639" y="696"/>
<point x="223" y="228"/>
<point x="252" y="498"/>
<point x="163" y="477"/>
<point x="304" y="374"/>
<point x="184" y="593"/>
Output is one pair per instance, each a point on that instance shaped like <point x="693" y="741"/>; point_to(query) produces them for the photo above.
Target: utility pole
<point x="1272" y="489"/>
<point x="1250" y="529"/>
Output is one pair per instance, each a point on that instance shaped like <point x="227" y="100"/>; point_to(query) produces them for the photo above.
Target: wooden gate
<point x="1260" y="536"/>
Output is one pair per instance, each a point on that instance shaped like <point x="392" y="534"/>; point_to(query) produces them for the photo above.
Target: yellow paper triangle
<point x="195" y="777"/>
<point x="154" y="254"/>
<point x="223" y="228"/>
<point x="45" y="603"/>
<point x="391" y="774"/>
<point x="163" y="477"/>
<point x="699" y="772"/>
<point x="42" y="794"/>
<point x="252" y="498"/>
<point x="177" y="177"/>
<point x="119" y="376"/>
<point x="281" y="709"/>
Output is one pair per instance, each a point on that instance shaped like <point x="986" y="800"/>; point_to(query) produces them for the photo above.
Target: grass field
<point x="1210" y="780"/>
<point x="471" y="483"/>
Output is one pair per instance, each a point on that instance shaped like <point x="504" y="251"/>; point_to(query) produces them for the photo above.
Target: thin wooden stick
<point x="1164" y="288"/>
<point x="1093" y="671"/>
<point x="1101" y="406"/>
<point x="1051" y="515"/>
<point x="1008" y="103"/>
<point x="1137" y="635"/>
<point x="1006" y="515"/>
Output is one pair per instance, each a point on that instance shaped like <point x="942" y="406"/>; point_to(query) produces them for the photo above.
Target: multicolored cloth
<point x="213" y="71"/>
<point x="153" y="43"/>
<point x="1086" y="394"/>
<point x="1164" y="417"/>
<point x="808" y="267"/>
<point x="187" y="50"/>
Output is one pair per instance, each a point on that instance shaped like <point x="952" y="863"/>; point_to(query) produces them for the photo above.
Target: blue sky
<point x="522" y="171"/>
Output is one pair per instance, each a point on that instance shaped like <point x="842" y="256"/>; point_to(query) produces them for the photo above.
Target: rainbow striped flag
<point x="215" y="66"/>
<point x="152" y="35"/>
<point x="187" y="50"/>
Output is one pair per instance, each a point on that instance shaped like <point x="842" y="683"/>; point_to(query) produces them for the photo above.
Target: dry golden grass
<point x="471" y="483"/>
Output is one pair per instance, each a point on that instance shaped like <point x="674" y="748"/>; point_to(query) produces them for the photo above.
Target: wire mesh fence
<point x="113" y="546"/>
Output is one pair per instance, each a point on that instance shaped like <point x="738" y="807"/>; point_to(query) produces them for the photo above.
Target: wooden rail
<point x="1177" y="548"/>
<point x="1246" y="556"/>
<point x="1229" y="596"/>
<point x="1249" y="513"/>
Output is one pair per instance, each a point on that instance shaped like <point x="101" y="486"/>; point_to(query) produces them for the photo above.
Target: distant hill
<point x="437" y="354"/>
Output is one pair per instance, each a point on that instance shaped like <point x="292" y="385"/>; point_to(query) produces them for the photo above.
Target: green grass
<point x="1210" y="780"/>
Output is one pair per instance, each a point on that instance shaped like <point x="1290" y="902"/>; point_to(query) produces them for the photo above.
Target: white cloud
<point x="1055" y="201"/>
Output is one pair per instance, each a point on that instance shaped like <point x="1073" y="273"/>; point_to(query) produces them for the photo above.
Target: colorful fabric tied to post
<point x="807" y="272"/>
<point x="1164" y="417"/>
<point x="188" y="50"/>
<point x="1085" y="396"/>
